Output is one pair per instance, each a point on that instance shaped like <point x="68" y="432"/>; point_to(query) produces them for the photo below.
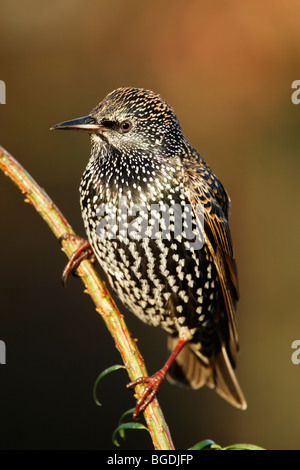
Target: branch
<point x="105" y="306"/>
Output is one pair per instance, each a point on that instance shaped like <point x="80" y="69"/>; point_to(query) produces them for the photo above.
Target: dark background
<point x="227" y="68"/>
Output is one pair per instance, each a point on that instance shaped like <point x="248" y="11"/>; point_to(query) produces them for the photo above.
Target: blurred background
<point x="227" y="68"/>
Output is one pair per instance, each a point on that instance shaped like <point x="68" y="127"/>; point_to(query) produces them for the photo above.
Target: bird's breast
<point x="145" y="236"/>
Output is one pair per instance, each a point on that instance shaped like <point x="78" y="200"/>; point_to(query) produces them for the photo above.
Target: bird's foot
<point x="84" y="251"/>
<point x="155" y="380"/>
<point x="150" y="391"/>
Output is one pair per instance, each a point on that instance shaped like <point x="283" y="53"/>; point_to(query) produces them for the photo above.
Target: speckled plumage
<point x="140" y="156"/>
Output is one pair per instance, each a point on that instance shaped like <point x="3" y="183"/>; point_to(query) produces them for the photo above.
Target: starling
<point x="172" y="265"/>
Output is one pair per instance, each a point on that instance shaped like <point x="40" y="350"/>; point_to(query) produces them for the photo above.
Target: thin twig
<point x="105" y="306"/>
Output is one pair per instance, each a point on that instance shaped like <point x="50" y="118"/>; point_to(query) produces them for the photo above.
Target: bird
<point x="156" y="219"/>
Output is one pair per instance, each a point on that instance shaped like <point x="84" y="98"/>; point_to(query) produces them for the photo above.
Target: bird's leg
<point x="84" y="251"/>
<point x="154" y="381"/>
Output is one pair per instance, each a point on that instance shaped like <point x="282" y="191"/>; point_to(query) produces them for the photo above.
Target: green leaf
<point x="121" y="420"/>
<point x="120" y="429"/>
<point x="243" y="447"/>
<point x="103" y="374"/>
<point x="207" y="443"/>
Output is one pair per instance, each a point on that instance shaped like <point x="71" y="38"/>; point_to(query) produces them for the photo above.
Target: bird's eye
<point x="125" y="126"/>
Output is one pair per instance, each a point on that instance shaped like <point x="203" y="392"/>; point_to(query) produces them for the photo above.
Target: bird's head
<point x="131" y="118"/>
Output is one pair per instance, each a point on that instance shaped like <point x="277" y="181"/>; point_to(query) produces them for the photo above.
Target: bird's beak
<point x="86" y="123"/>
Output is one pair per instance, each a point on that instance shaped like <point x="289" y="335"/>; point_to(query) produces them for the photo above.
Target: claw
<point x="150" y="391"/>
<point x="84" y="251"/>
<point x="155" y="380"/>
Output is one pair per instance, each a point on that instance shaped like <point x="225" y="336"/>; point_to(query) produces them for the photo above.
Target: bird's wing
<point x="205" y="194"/>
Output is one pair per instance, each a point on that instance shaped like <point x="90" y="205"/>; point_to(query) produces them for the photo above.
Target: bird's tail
<point x="190" y="370"/>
